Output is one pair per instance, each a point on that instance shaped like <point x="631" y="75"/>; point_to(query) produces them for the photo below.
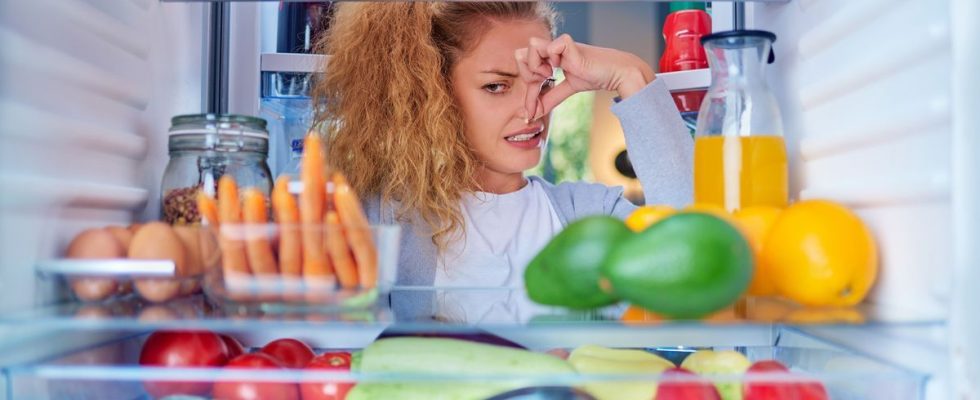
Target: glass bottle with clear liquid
<point x="739" y="152"/>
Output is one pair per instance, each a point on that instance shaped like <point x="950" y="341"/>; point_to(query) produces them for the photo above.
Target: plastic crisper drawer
<point x="109" y="369"/>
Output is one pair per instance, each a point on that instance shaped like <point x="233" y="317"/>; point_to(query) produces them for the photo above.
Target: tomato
<point x="182" y="349"/>
<point x="291" y="352"/>
<point x="781" y="390"/>
<point x="335" y="361"/>
<point x="687" y="389"/>
<point x="234" y="390"/>
<point x="235" y="347"/>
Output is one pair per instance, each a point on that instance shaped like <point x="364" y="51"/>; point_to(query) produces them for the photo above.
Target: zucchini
<point x="449" y="358"/>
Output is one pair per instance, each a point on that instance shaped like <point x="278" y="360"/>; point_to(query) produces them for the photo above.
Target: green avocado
<point x="686" y="266"/>
<point x="566" y="272"/>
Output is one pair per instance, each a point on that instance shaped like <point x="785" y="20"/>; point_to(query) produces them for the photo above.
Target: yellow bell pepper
<point x="592" y="359"/>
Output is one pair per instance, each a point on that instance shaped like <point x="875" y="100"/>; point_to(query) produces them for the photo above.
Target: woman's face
<point x="491" y="97"/>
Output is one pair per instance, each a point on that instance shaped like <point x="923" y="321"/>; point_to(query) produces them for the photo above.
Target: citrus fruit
<point x="756" y="222"/>
<point x="821" y="254"/>
<point x="566" y="271"/>
<point x="644" y="216"/>
<point x="686" y="266"/>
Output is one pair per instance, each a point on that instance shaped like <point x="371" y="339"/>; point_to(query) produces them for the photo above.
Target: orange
<point x="821" y="254"/>
<point x="637" y="315"/>
<point x="713" y="209"/>
<point x="644" y="216"/>
<point x="756" y="222"/>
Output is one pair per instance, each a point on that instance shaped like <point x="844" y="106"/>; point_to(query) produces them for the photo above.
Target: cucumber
<point x="448" y="358"/>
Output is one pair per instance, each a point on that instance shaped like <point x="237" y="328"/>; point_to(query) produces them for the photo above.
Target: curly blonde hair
<point x="393" y="125"/>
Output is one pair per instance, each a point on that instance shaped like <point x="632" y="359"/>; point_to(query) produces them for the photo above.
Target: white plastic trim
<point x="288" y="62"/>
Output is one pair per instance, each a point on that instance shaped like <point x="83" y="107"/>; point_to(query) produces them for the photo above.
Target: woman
<point x="437" y="109"/>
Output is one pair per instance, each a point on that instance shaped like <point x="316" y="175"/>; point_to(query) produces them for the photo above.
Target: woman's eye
<point x="495" y="88"/>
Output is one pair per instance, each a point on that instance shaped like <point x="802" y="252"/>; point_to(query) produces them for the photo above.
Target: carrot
<point x="339" y="251"/>
<point x="259" y="250"/>
<point x="290" y="241"/>
<point x="208" y="209"/>
<point x="229" y="212"/>
<point x="358" y="231"/>
<point x="316" y="264"/>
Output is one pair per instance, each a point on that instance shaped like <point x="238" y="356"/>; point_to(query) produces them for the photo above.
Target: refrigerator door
<point x="87" y="89"/>
<point x="874" y="97"/>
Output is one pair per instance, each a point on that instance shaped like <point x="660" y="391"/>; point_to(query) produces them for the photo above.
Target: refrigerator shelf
<point x="132" y="314"/>
<point x="110" y="369"/>
<point x="686" y="80"/>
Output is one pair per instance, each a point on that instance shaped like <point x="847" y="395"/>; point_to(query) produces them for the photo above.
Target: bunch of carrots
<point x="323" y="234"/>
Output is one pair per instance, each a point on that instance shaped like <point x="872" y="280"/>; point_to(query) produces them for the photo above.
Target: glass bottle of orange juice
<point x="739" y="153"/>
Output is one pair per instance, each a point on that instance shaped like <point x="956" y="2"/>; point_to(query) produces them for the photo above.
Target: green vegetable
<point x="566" y="272"/>
<point x="591" y="359"/>
<point x="686" y="266"/>
<point x="447" y="358"/>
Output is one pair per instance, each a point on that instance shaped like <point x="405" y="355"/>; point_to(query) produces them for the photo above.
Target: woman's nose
<point x="520" y="91"/>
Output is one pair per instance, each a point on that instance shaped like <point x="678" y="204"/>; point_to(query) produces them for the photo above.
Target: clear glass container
<point x="244" y="281"/>
<point x="739" y="153"/>
<point x="203" y="148"/>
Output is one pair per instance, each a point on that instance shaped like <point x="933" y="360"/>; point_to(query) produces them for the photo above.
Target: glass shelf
<point x="196" y="312"/>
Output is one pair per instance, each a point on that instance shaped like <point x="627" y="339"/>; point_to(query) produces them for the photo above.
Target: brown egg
<point x="210" y="250"/>
<point x="190" y="238"/>
<point x="93" y="288"/>
<point x="157" y="290"/>
<point x="135" y="226"/>
<point x="157" y="313"/>
<point x="94" y="244"/>
<point x="122" y="234"/>
<point x="158" y="241"/>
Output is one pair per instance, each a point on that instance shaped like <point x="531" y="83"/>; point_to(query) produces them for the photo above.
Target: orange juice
<point x="736" y="172"/>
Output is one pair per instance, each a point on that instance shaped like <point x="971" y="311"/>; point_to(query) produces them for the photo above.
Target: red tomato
<point x="687" y="389"/>
<point x="782" y="390"/>
<point x="182" y="349"/>
<point x="292" y="352"/>
<point x="235" y="347"/>
<point x="233" y="390"/>
<point x="335" y="361"/>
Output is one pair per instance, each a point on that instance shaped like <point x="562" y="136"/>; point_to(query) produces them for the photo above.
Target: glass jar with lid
<point x="739" y="153"/>
<point x="203" y="148"/>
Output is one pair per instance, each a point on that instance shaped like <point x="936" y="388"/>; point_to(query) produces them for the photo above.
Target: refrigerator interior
<point x="878" y="98"/>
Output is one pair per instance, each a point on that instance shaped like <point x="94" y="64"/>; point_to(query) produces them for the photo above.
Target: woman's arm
<point x="658" y="142"/>
<point x="659" y="145"/>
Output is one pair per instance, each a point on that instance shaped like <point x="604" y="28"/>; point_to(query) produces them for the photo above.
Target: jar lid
<point x="738" y="34"/>
<point x="191" y="124"/>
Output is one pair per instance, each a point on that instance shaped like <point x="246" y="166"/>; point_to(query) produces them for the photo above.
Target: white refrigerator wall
<point x="872" y="94"/>
<point x="87" y="88"/>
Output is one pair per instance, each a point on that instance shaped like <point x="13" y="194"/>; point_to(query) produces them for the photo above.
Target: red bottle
<point x="683" y="29"/>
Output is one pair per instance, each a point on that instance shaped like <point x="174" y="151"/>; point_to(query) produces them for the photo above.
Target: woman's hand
<point x="585" y="67"/>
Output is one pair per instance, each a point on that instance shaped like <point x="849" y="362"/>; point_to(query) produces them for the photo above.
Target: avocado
<point x="685" y="266"/>
<point x="566" y="271"/>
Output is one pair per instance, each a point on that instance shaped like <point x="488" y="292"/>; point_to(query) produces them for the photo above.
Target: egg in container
<point x="156" y="261"/>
